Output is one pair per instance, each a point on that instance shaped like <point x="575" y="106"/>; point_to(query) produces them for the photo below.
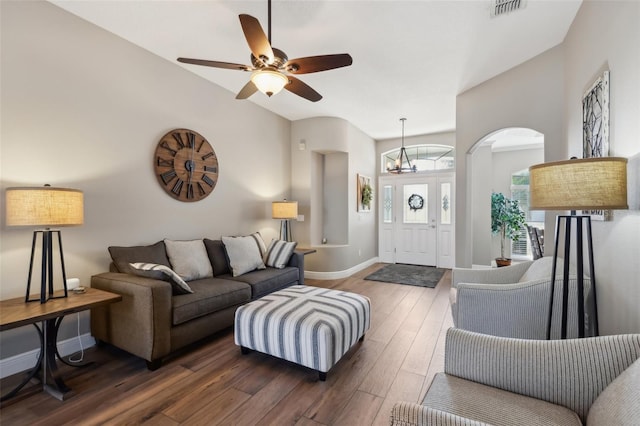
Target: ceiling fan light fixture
<point x="269" y="81"/>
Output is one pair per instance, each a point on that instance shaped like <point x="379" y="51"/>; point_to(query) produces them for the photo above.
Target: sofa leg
<point x="322" y="376"/>
<point x="244" y="350"/>
<point x="362" y="338"/>
<point x="154" y="365"/>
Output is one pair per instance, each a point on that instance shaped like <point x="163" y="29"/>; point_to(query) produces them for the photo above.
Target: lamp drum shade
<point x="284" y="209"/>
<point x="44" y="206"/>
<point x="580" y="184"/>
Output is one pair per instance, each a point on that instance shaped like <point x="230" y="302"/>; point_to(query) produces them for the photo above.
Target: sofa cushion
<point x="619" y="403"/>
<point x="492" y="405"/>
<point x="244" y="254"/>
<point x="268" y="280"/>
<point x="161" y="272"/>
<point x="279" y="253"/>
<point x="209" y="295"/>
<point x="189" y="259"/>
<point x="123" y="256"/>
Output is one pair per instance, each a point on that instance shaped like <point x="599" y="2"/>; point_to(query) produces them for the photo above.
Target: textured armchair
<point x="513" y="301"/>
<point x="503" y="381"/>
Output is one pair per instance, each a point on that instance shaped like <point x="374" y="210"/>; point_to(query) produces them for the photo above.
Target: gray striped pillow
<point x="161" y="272"/>
<point x="279" y="253"/>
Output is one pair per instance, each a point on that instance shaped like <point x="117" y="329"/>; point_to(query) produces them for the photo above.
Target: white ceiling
<point x="410" y="58"/>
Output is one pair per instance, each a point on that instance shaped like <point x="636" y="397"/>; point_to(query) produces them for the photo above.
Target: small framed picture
<point x="365" y="193"/>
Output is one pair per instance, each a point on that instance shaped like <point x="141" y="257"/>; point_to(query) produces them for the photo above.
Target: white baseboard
<point x="335" y="275"/>
<point x="27" y="360"/>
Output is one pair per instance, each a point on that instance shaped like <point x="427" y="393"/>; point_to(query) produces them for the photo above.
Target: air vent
<point x="501" y="7"/>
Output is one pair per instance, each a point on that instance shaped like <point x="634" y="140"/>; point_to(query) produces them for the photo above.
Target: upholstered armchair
<point x="513" y="301"/>
<point x="503" y="381"/>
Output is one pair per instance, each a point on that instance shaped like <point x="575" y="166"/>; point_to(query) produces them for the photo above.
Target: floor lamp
<point x="578" y="184"/>
<point x="285" y="211"/>
<point x="45" y="207"/>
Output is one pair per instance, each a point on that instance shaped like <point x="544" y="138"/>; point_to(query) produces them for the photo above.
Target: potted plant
<point x="507" y="220"/>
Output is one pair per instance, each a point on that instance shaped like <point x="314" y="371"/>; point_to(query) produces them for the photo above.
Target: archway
<point x="495" y="160"/>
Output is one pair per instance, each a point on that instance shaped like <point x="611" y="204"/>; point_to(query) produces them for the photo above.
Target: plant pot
<point x="500" y="262"/>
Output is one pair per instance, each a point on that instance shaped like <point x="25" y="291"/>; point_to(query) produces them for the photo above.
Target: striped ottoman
<point x="307" y="325"/>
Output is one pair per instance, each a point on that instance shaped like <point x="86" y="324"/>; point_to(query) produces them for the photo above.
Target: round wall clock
<point x="186" y="165"/>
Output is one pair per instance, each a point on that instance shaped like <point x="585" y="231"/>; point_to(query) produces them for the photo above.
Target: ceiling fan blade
<point x="256" y="38"/>
<point x="248" y="90"/>
<point x="318" y="63"/>
<point x="215" y="64"/>
<point x="302" y="89"/>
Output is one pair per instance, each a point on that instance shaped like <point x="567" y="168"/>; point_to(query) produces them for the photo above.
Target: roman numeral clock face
<point x="186" y="165"/>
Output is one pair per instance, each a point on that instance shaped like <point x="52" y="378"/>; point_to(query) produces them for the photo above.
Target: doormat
<point x="399" y="273"/>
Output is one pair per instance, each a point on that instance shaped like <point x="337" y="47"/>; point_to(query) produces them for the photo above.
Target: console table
<point x="17" y="313"/>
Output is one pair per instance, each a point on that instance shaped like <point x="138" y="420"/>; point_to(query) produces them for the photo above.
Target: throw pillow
<point x="161" y="272"/>
<point x="217" y="257"/>
<point x="260" y="242"/>
<point x="189" y="259"/>
<point x="243" y="253"/>
<point x="279" y="253"/>
<point x="123" y="256"/>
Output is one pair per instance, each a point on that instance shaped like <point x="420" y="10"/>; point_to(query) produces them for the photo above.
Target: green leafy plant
<point x="507" y="219"/>
<point x="367" y="195"/>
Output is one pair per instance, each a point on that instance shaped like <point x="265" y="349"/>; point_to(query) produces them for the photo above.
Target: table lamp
<point x="577" y="184"/>
<point x="45" y="207"/>
<point x="285" y="211"/>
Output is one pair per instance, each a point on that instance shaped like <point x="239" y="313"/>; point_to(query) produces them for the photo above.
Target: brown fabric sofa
<point x="151" y="321"/>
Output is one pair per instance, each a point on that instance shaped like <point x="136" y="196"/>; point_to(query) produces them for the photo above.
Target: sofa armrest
<point x="411" y="414"/>
<point x="508" y="310"/>
<point x="571" y="372"/>
<point x="141" y="323"/>
<point x="505" y="275"/>
<point x="297" y="260"/>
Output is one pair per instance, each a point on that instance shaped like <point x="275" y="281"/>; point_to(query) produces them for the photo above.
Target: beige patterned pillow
<point x="189" y="259"/>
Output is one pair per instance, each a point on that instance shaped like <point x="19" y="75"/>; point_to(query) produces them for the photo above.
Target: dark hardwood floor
<point x="212" y="383"/>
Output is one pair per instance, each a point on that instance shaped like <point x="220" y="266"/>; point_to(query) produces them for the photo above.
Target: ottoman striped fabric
<point x="307" y="325"/>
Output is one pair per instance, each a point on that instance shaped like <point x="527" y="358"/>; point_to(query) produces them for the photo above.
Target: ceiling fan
<point x="271" y="68"/>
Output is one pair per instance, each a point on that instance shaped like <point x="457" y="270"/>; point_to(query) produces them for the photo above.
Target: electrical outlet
<point x="300" y="218"/>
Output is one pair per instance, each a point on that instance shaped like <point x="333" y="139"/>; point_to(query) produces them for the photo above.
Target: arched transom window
<point x="425" y="157"/>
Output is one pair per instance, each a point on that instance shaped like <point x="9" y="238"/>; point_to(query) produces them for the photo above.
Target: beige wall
<point x="606" y="36"/>
<point x="529" y="95"/>
<point x="85" y="109"/>
<point x="318" y="197"/>
<point x="545" y="94"/>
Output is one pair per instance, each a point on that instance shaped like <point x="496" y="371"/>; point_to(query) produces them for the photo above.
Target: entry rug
<point x="399" y="273"/>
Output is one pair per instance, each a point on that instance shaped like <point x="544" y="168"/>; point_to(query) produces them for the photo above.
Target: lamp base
<point x="582" y="224"/>
<point x="46" y="272"/>
<point x="285" y="230"/>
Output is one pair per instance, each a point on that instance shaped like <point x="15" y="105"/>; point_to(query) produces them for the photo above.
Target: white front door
<point x="416" y="236"/>
<point x="416" y="220"/>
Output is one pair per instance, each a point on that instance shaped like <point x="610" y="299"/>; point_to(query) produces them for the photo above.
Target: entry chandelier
<point x="398" y="167"/>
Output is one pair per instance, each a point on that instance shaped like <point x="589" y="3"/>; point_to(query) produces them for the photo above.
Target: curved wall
<point x="327" y="154"/>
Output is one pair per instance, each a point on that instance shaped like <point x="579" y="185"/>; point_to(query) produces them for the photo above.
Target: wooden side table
<point x="16" y="313"/>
